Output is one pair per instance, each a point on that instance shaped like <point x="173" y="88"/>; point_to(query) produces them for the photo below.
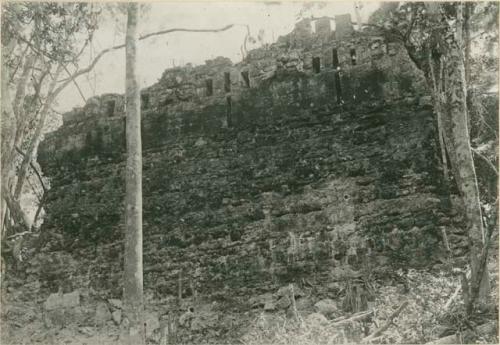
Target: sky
<point x="156" y="54"/>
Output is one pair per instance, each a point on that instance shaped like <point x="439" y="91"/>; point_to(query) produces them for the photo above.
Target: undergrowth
<point x="431" y="313"/>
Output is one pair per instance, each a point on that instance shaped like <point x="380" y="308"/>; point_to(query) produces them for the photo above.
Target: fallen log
<point x="388" y="324"/>
<point x="355" y="317"/>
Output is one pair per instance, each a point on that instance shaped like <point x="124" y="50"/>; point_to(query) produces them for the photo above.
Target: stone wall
<point x="276" y="179"/>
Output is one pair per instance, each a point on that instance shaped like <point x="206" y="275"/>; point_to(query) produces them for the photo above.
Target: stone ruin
<point x="315" y="156"/>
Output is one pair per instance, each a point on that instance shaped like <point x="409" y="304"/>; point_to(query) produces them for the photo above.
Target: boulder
<point x="115" y="303"/>
<point x="260" y="301"/>
<point x="58" y="300"/>
<point x="200" y="142"/>
<point x="54" y="319"/>
<point x="198" y="324"/>
<point x="304" y="304"/>
<point x="88" y="331"/>
<point x="269" y="306"/>
<point x="102" y="314"/>
<point x="316" y="319"/>
<point x="326" y="307"/>
<point x="117" y="316"/>
<point x="334" y="287"/>
<point x="52" y="302"/>
<point x="285" y="291"/>
<point x="152" y="323"/>
<point x="344" y="272"/>
<point x="185" y="319"/>
<point x="284" y="302"/>
<point x="70" y="300"/>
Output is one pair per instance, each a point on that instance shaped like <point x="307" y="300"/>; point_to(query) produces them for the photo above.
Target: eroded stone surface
<point x="58" y="301"/>
<point x="261" y="183"/>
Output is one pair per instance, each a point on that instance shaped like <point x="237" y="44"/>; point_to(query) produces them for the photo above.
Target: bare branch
<point x="387" y="324"/>
<point x="143" y="37"/>
<point x="412" y="24"/>
<point x="34" y="169"/>
<point x="76" y="84"/>
<point x="486" y="160"/>
<point x="38" y="132"/>
<point x="33" y="189"/>
<point x="39" y="209"/>
<point x="162" y="32"/>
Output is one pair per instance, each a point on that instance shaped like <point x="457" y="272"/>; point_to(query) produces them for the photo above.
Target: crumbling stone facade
<point x="316" y="152"/>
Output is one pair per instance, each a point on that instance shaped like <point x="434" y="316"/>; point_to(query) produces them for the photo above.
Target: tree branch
<point x="76" y="84"/>
<point x="162" y="32"/>
<point x="412" y="23"/>
<point x="493" y="168"/>
<point x="387" y="324"/>
<point x="34" y="189"/>
<point x="37" y="135"/>
<point x="34" y="169"/>
<point x="120" y="46"/>
<point x="356" y="317"/>
<point x="39" y="209"/>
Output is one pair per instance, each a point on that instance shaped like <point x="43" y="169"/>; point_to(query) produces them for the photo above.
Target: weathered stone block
<point x="152" y="323"/>
<point x="115" y="303"/>
<point x="102" y="314"/>
<point x="316" y="319"/>
<point x="67" y="300"/>
<point x="117" y="316"/>
<point x="323" y="27"/>
<point x="343" y="26"/>
<point x="326" y="307"/>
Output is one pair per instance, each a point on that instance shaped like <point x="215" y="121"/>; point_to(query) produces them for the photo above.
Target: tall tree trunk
<point x="455" y="121"/>
<point x="22" y="116"/>
<point x="8" y="151"/>
<point x="30" y="153"/>
<point x="357" y="12"/>
<point x="8" y="128"/>
<point x="15" y="209"/>
<point x="133" y="277"/>
<point x="466" y="46"/>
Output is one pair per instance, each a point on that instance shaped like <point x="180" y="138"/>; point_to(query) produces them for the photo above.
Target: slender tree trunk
<point x="357" y="12"/>
<point x="22" y="116"/>
<point x="133" y="277"/>
<point x="13" y="109"/>
<point x="15" y="209"/>
<point x="467" y="49"/>
<point x="8" y="129"/>
<point x="21" y="87"/>
<point x="30" y="153"/>
<point x="455" y="122"/>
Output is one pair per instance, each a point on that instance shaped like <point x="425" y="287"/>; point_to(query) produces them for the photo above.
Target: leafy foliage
<point x="53" y="29"/>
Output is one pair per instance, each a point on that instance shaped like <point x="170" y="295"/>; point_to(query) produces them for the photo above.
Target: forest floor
<point x="428" y="301"/>
<point x="428" y="312"/>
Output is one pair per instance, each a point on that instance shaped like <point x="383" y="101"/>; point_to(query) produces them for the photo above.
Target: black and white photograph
<point x="249" y="172"/>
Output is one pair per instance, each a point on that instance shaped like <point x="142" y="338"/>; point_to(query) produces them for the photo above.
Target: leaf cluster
<point x="52" y="29"/>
